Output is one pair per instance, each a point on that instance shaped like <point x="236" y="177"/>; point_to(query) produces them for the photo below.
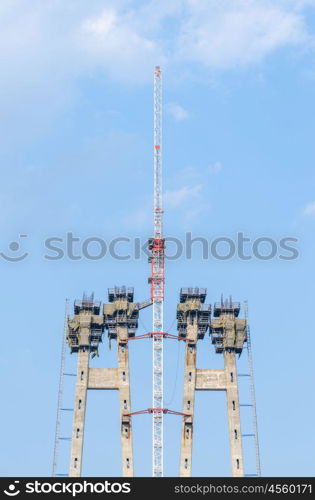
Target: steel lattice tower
<point x="156" y="245"/>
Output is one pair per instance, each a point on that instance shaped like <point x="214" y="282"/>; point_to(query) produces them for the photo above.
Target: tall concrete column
<point x="192" y="322"/>
<point x="79" y="412"/>
<point x="124" y="402"/>
<point x="85" y="331"/>
<point x="234" y="419"/>
<point x="189" y="401"/>
<point x="228" y="334"/>
<point x="121" y="321"/>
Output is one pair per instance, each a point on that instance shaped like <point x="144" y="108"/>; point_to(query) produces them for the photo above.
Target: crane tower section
<point x="156" y="280"/>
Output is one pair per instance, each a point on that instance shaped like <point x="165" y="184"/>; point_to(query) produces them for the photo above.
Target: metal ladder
<point x="60" y="408"/>
<point x="252" y="394"/>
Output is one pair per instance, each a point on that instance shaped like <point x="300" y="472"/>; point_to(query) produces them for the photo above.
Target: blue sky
<point x="76" y="156"/>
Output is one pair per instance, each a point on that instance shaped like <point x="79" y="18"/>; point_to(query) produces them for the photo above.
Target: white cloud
<point x="217" y="35"/>
<point x="299" y="4"/>
<point x="111" y="41"/>
<point x="183" y="196"/>
<point x="177" y="111"/>
<point x="127" y="39"/>
<point x="215" y="167"/>
<point x="309" y="210"/>
<point x="101" y="26"/>
<point x="47" y="47"/>
<point x="63" y="40"/>
<point x="233" y="33"/>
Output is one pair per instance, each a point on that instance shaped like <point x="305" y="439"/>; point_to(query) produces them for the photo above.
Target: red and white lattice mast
<point x="157" y="245"/>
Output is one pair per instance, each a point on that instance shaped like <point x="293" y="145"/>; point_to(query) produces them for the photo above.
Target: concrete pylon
<point x="124" y="401"/>
<point x="79" y="414"/>
<point x="85" y="329"/>
<point x="228" y="334"/>
<point x="234" y="418"/>
<point x="189" y="401"/>
<point x="193" y="320"/>
<point x="121" y="321"/>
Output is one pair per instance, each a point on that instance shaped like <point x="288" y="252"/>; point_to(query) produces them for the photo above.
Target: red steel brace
<point x="157" y="410"/>
<point x="150" y="335"/>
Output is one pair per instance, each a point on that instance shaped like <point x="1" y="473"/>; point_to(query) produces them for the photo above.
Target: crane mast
<point x="157" y="245"/>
